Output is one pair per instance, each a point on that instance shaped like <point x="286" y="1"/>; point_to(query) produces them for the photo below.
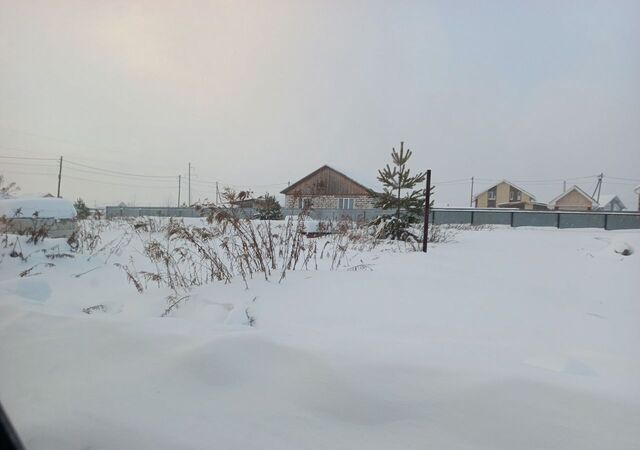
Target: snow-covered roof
<point x="531" y="196"/>
<point x="637" y="190"/>
<point x="56" y="208"/>
<point x="594" y="204"/>
<point x="605" y="199"/>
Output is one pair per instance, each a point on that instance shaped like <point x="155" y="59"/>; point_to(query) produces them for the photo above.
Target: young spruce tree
<point x="400" y="195"/>
<point x="82" y="209"/>
<point x="269" y="209"/>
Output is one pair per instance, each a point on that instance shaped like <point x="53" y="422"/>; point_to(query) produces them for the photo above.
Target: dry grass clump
<point x="225" y="246"/>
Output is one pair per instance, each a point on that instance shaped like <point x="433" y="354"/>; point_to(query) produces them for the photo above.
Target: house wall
<point x="482" y="200"/>
<point x="573" y="201"/>
<point x="331" y="201"/>
<point x="502" y="191"/>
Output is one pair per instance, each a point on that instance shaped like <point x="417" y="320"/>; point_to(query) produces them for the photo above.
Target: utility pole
<point x="598" y="188"/>
<point x="564" y="186"/>
<point x="427" y="202"/>
<point x="179" y="185"/>
<point x="217" y="194"/>
<point x="471" y="201"/>
<point x="189" y="184"/>
<point x="59" y="176"/>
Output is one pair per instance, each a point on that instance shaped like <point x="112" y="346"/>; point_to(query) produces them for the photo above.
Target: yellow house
<point x="575" y="199"/>
<point x="507" y="195"/>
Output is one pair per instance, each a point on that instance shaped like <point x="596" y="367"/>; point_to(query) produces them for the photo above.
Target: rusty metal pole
<point x="427" y="202"/>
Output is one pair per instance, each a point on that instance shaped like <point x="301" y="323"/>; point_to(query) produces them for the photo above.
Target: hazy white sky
<point x="260" y="93"/>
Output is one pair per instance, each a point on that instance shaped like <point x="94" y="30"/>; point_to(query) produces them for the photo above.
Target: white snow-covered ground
<point x="503" y="339"/>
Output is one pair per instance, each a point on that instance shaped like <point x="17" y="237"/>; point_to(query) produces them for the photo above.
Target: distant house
<point x="610" y="202"/>
<point x="637" y="191"/>
<point x="507" y="195"/>
<point x="329" y="188"/>
<point x="248" y="203"/>
<point x="575" y="199"/>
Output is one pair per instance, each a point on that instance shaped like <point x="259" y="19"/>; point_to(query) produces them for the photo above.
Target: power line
<point x="117" y="172"/>
<point x="99" y="173"/>
<point x="27" y="164"/>
<point x="625" y="183"/>
<point x="163" y="186"/>
<point x="636" y="180"/>
<point x="465" y="180"/>
<point x="28" y="173"/>
<point x="29" y="158"/>
<point x="73" y="156"/>
<point x="200" y="180"/>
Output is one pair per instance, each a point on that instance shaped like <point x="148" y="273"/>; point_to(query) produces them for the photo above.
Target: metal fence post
<point x="427" y="200"/>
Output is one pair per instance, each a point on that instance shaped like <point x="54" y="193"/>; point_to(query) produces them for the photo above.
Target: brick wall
<point x="330" y="201"/>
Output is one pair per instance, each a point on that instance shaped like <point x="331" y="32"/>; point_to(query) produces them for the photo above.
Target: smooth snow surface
<point x="504" y="339"/>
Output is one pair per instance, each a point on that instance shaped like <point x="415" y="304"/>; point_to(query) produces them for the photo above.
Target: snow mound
<point x="622" y="247"/>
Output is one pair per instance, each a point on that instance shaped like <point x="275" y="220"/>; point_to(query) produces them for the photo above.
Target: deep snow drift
<point x="503" y="339"/>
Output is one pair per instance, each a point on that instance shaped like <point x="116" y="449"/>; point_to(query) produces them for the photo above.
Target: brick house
<point x="327" y="187"/>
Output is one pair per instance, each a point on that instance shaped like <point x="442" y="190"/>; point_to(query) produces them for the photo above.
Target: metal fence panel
<point x="581" y="220"/>
<point x="490" y="217"/>
<point x="534" y="219"/>
<point x="623" y="221"/>
<point x="446" y="217"/>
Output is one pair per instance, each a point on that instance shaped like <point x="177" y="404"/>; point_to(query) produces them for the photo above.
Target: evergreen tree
<point x="399" y="195"/>
<point x="81" y="209"/>
<point x="7" y="189"/>
<point x="269" y="208"/>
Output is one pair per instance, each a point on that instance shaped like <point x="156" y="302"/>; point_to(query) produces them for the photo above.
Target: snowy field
<point x="500" y="339"/>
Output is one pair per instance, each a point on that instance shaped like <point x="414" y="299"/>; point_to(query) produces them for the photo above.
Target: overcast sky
<point x="261" y="93"/>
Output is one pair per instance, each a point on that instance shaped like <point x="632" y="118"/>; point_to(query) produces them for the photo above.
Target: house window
<point x="515" y="196"/>
<point x="345" y="203"/>
<point x="304" y="203"/>
<point x="491" y="195"/>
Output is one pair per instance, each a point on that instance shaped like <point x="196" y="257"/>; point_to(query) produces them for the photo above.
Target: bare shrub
<point x="221" y="248"/>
